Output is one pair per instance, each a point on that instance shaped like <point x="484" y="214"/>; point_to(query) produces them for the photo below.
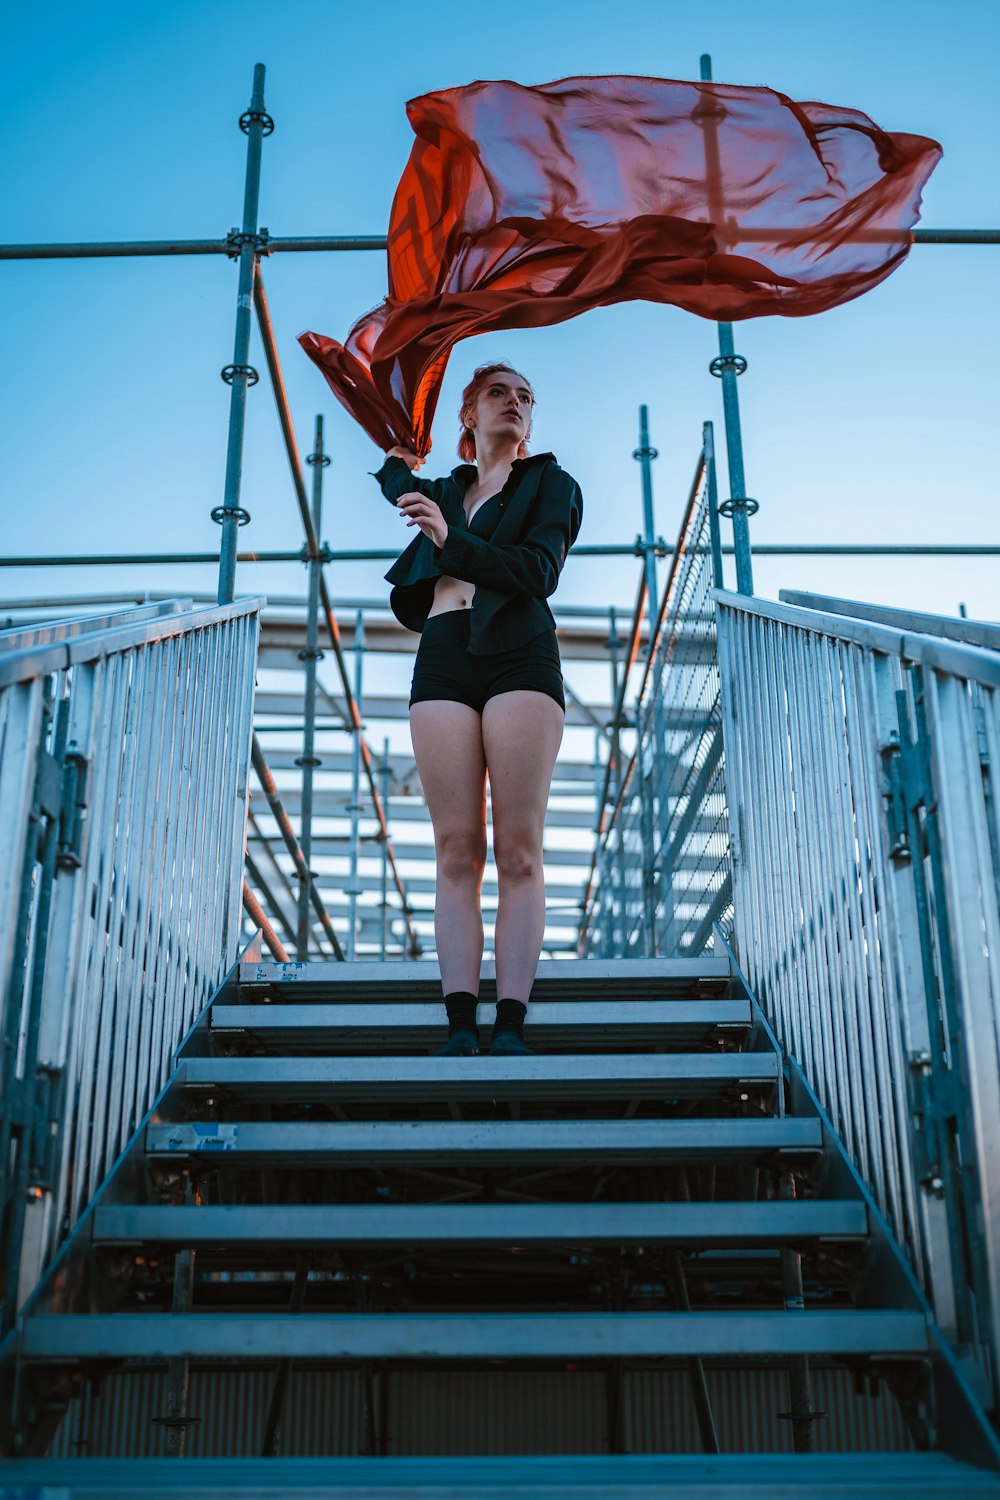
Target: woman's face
<point x="503" y="407"/>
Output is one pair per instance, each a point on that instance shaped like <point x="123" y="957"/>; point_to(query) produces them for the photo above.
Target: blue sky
<point x="869" y="423"/>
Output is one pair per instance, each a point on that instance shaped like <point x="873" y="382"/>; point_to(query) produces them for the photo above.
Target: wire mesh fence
<point x="663" y="867"/>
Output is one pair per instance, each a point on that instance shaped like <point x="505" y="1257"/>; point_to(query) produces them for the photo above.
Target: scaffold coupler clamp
<point x="237" y="238"/>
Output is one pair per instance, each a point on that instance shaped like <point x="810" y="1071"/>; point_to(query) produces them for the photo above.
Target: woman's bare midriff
<point x="451" y="593"/>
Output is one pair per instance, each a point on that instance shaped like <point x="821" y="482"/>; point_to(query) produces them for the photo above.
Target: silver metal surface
<point x="597" y="977"/>
<point x="595" y="1476"/>
<point x="145" y="897"/>
<point x="626" y="1023"/>
<point x="670" y="1075"/>
<point x="747" y="1224"/>
<point x="336" y="1336"/>
<point x="386" y="1142"/>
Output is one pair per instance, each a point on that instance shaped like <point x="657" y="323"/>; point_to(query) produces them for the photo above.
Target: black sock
<point x="461" y="1008"/>
<point x="510" y="1017"/>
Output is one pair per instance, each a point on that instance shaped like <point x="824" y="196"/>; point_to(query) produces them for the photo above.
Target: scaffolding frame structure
<point x="317" y="911"/>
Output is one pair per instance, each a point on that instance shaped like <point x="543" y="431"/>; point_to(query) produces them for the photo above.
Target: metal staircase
<point x="635" y="1264"/>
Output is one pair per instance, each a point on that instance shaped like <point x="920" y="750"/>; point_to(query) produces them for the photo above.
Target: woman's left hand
<point x="419" y="511"/>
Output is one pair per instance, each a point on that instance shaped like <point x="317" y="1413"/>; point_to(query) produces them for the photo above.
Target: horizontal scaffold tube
<point x="93" y="249"/>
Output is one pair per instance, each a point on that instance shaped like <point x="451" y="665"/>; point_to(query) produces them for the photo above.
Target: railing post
<point x="255" y="123"/>
<point x="355" y="807"/>
<point x="728" y="365"/>
<point x="308" y="760"/>
<point x="645" y="453"/>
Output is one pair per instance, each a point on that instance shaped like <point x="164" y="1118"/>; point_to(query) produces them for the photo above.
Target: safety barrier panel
<point x="863" y="764"/>
<point x="124" y="754"/>
<point x="663" y="867"/>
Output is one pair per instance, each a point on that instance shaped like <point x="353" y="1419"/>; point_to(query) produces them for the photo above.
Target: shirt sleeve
<point x="531" y="566"/>
<point x="395" y="478"/>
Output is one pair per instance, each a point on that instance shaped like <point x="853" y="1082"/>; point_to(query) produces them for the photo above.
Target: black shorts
<point x="445" y="669"/>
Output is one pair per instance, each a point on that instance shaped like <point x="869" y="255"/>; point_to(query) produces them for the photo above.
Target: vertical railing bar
<point x="155" y="669"/>
<point x="822" y="960"/>
<point x="213" y="711"/>
<point x="99" y="968"/>
<point x="873" y="901"/>
<point x="174" y="945"/>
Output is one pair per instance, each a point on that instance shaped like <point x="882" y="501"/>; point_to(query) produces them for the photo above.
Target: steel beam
<point x="289" y="1225"/>
<point x="346" y="1336"/>
<point x="672" y="1076"/>
<point x="477" y="1143"/>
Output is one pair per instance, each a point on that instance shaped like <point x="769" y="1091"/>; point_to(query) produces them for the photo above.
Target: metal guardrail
<point x="863" y="770"/>
<point x="124" y="763"/>
<point x="661" y="878"/>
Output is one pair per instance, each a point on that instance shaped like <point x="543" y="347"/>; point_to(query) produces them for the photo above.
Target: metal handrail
<point x="58" y="656"/>
<point x="958" y="660"/>
<point x="971" y="632"/>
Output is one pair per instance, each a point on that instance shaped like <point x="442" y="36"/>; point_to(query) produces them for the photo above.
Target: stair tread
<point x="333" y="1336"/>
<point x="489" y="1141"/>
<point x="682" y="1476"/>
<point x="599" y="1075"/>
<point x="417" y="979"/>
<point x="564" y="1021"/>
<point x="471" y="1223"/>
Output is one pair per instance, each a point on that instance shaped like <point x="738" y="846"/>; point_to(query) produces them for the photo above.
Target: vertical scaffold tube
<point x="308" y="760"/>
<point x="256" y="123"/>
<point x="728" y="365"/>
<point x="645" y="453"/>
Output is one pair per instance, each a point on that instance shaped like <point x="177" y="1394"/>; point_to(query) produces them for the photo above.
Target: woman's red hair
<point x="471" y="394"/>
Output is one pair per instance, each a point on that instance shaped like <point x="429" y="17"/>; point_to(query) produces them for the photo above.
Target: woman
<point x="487" y="695"/>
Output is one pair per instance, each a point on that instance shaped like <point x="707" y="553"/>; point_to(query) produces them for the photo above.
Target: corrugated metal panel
<point x="746" y="1403"/>
<point x="323" y="1415"/>
<point x="477" y="1412"/>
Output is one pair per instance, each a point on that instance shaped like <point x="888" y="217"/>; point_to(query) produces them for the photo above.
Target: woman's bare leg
<point x="522" y="732"/>
<point x="448" y="747"/>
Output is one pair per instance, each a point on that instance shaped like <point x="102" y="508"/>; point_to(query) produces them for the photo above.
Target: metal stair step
<point x="601" y="1076"/>
<point x="745" y="1224"/>
<point x="486" y="1336"/>
<point x="317" y="1025"/>
<point x="681" y="1476"/>
<point x="486" y="1142"/>
<point x="595" y="979"/>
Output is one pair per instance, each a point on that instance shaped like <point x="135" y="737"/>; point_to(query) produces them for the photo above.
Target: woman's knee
<point x="518" y="857"/>
<point x="461" y="855"/>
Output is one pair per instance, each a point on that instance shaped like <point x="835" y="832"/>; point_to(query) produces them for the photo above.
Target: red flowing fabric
<point x="521" y="207"/>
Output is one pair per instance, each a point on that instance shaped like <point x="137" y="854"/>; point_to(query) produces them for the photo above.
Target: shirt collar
<point x="467" y="473"/>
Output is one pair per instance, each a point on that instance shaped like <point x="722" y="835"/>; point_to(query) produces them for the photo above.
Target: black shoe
<point x="460" y="1044"/>
<point x="507" y="1043"/>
